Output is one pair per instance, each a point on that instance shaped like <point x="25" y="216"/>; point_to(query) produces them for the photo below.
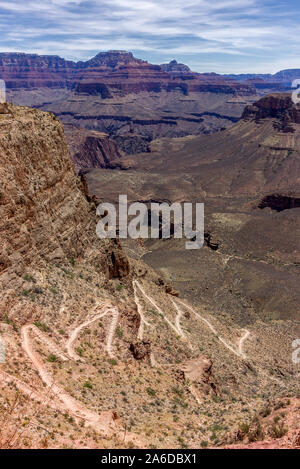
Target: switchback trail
<point x="214" y="331"/>
<point x="58" y="398"/>
<point x="241" y="342"/>
<point x="174" y="327"/>
<point x="177" y="326"/>
<point x="75" y="333"/>
<point x="101" y="422"/>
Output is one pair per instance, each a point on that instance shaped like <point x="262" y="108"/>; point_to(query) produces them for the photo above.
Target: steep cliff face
<point x="107" y="73"/>
<point x="45" y="217"/>
<point x="32" y="71"/>
<point x="120" y="73"/>
<point x="91" y="149"/>
<point x="118" y="94"/>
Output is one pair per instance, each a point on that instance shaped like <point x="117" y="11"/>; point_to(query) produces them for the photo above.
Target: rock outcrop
<point x="140" y="350"/>
<point x="91" y="149"/>
<point x="199" y="372"/>
<point x="176" y="67"/>
<point x="279" y="107"/>
<point x="117" y="262"/>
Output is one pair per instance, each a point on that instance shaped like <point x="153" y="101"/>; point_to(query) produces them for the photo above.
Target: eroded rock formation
<point x="116" y="93"/>
<point x="90" y="149"/>
<point x="140" y="350"/>
<point x="279" y="107"/>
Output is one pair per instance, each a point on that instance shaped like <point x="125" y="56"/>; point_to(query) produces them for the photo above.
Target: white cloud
<point x="189" y="29"/>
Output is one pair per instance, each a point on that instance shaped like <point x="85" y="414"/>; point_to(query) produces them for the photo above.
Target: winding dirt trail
<point x="75" y="333"/>
<point x="101" y="422"/>
<point x="32" y="393"/>
<point x="177" y="326"/>
<point x="178" y="318"/>
<point x="239" y="351"/>
<point x="108" y="309"/>
<point x="104" y="422"/>
<point x="241" y="342"/>
<point x="213" y="330"/>
<point x="175" y="329"/>
<point x="50" y="344"/>
<point x="58" y="398"/>
<point x="113" y="326"/>
<point x="140" y="311"/>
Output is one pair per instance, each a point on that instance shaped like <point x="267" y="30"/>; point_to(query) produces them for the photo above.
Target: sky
<point x="223" y="36"/>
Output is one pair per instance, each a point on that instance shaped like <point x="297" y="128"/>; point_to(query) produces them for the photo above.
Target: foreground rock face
<point x="44" y="214"/>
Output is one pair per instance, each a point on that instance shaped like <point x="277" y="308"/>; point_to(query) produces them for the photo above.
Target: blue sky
<point x="225" y="36"/>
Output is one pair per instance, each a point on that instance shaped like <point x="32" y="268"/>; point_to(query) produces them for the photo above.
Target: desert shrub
<point x="178" y="391"/>
<point x="79" y="351"/>
<point x="42" y="325"/>
<point x="88" y="385"/>
<point x="52" y="358"/>
<point x="256" y="432"/>
<point x="277" y="430"/>
<point x="29" y="278"/>
<point x="113" y="361"/>
<point x="245" y="428"/>
<point x="182" y="442"/>
<point x="265" y="412"/>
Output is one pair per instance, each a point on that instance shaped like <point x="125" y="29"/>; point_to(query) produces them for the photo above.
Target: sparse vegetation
<point x="112" y="361"/>
<point x="277" y="430"/>
<point x="52" y="358"/>
<point x="88" y="385"/>
<point x="29" y="278"/>
<point x="42" y="325"/>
